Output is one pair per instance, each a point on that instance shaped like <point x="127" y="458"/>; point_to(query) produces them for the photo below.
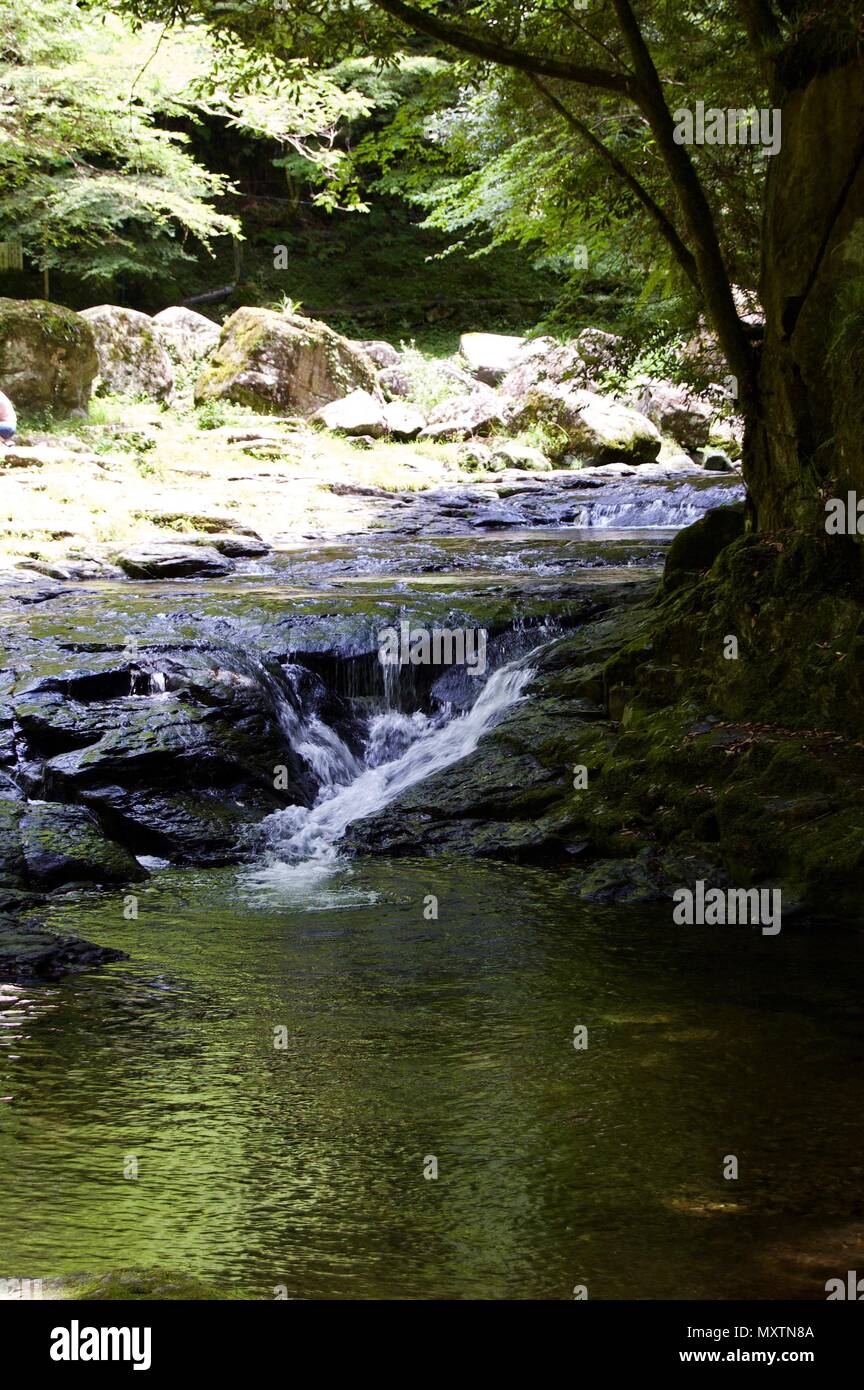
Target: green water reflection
<point x="303" y="1166"/>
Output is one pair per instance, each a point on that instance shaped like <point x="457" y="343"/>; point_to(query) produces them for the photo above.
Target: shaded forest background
<point x="413" y="197"/>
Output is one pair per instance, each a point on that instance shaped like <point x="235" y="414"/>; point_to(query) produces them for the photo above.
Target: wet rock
<point x="199" y="826"/>
<point x="490" y="356"/>
<point x="12" y="867"/>
<point x="237" y="546"/>
<point x="166" y="561"/>
<point x="9" y="789"/>
<point x="187" y="336"/>
<point x="183" y="771"/>
<point x="478" y="817"/>
<point x="282" y="364"/>
<point x="132" y="357"/>
<point x="73" y="569"/>
<point x="48" y="358"/>
<point x="624" y="881"/>
<point x="358" y="413"/>
<point x="30" y="951"/>
<point x="65" y="844"/>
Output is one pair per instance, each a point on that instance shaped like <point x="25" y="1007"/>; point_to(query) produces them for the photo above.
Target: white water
<point x="304" y="840"/>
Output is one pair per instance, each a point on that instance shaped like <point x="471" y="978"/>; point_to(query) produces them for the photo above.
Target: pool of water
<point x="283" y="1059"/>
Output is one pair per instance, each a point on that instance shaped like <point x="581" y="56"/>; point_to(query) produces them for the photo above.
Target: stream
<point x="255" y="1096"/>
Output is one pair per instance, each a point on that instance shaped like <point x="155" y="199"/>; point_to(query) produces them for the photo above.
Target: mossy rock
<point x="132" y="356"/>
<point x="48" y="358"/>
<point x="29" y="951"/>
<point x="282" y="364"/>
<point x="697" y="546"/>
<point x="64" y="844"/>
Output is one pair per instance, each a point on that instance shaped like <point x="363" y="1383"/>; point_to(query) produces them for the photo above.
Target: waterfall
<point x="401" y="750"/>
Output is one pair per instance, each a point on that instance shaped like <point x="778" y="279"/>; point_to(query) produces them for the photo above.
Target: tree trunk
<point x="805" y="441"/>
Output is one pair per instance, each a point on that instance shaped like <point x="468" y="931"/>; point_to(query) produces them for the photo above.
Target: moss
<point x="698" y="546"/>
<point x="137" y="1285"/>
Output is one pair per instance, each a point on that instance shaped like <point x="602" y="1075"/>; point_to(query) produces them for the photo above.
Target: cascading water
<point x="401" y="750"/>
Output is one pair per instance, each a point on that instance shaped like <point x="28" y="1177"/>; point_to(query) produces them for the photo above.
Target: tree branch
<point x="682" y="254"/>
<point x="695" y="208"/>
<point x="488" y="48"/>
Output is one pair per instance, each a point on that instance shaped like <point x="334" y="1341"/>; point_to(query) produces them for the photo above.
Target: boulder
<point x="357" y="413"/>
<point x="459" y="417"/>
<point x="396" y="382"/>
<point x="402" y="420"/>
<point x="282" y="364"/>
<point x="716" y="461"/>
<point x="381" y="353"/>
<point x="728" y="436"/>
<point x="187" y="336"/>
<point x="697" y="546"/>
<point x="512" y="454"/>
<point x="12" y="808"/>
<point x="490" y="355"/>
<point x="168" y="561"/>
<point x="238" y="546"/>
<point x="544" y="362"/>
<point x="132" y="357"/>
<point x="48" y="358"/>
<point x="477" y="458"/>
<point x="64" y="844"/>
<point x="595" y="427"/>
<point x="425" y="380"/>
<point x="182" y="771"/>
<point x="598" y="349"/>
<point x="679" y="463"/>
<point x="677" y="413"/>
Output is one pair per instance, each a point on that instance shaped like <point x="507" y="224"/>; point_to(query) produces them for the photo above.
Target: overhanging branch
<point x="485" y="46"/>
<point x="683" y="256"/>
